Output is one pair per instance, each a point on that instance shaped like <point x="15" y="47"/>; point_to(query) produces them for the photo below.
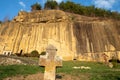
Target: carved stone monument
<point x="50" y="61"/>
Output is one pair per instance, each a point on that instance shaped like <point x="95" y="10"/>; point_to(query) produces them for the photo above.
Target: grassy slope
<point x="98" y="71"/>
<point x="13" y="70"/>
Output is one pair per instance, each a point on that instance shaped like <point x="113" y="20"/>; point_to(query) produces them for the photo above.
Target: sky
<point x="10" y="8"/>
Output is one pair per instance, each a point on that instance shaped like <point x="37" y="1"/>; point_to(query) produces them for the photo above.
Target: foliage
<point x="43" y="53"/>
<point x="51" y="4"/>
<point x="0" y="22"/>
<point x="34" y="53"/>
<point x="72" y="7"/>
<point x="18" y="54"/>
<point x="36" y="6"/>
<point x="26" y="55"/>
<point x="88" y="10"/>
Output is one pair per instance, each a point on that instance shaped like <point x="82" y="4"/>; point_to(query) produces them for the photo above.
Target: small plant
<point x="34" y="53"/>
<point x="43" y="53"/>
<point x="36" y="6"/>
<point x="0" y="22"/>
<point x="26" y="55"/>
<point x="18" y="54"/>
<point x="51" y="4"/>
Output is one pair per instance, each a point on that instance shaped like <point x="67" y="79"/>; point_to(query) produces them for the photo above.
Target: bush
<point x="34" y="53"/>
<point x="36" y="6"/>
<point x="43" y="53"/>
<point x="18" y="54"/>
<point x="51" y="5"/>
<point x="26" y="55"/>
<point x="91" y="11"/>
<point x="0" y="22"/>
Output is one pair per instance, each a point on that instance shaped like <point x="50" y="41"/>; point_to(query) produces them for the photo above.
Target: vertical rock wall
<point x="97" y="37"/>
<point x="37" y="36"/>
<point x="80" y="39"/>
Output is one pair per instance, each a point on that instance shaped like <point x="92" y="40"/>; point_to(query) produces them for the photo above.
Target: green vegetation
<point x="50" y="4"/>
<point x="0" y="22"/>
<point x="72" y="7"/>
<point x="13" y="70"/>
<point x="88" y="10"/>
<point x="36" y="6"/>
<point x="34" y="53"/>
<point x="43" y="53"/>
<point x="98" y="71"/>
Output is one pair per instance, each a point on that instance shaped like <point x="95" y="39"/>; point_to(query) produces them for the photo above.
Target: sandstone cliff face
<point x="74" y="36"/>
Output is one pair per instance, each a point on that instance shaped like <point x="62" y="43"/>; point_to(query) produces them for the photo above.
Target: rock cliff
<point x="75" y="36"/>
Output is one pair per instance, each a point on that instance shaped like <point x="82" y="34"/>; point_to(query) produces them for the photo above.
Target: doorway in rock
<point x="21" y="51"/>
<point x="8" y="53"/>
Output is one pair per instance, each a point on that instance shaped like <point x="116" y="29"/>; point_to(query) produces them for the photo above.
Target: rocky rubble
<point x="10" y="61"/>
<point x="43" y="16"/>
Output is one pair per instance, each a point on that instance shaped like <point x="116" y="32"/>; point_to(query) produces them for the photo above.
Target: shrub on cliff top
<point x="36" y="6"/>
<point x="0" y="22"/>
<point x="50" y="4"/>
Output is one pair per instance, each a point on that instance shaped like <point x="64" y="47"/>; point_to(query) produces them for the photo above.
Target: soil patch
<point x="39" y="76"/>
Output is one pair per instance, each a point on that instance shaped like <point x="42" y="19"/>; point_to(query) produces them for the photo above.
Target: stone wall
<point x="73" y="35"/>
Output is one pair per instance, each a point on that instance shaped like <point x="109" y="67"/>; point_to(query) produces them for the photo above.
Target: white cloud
<point x="22" y="4"/>
<point x="107" y="4"/>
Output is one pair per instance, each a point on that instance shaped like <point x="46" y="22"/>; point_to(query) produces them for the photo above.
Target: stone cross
<point x="50" y="61"/>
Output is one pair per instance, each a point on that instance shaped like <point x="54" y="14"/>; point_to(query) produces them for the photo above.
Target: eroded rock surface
<point x="75" y="36"/>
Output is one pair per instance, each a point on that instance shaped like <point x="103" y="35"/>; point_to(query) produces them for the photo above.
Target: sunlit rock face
<point x="74" y="36"/>
<point x="98" y="37"/>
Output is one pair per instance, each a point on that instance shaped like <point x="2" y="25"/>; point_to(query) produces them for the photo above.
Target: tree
<point x="35" y="6"/>
<point x="0" y="22"/>
<point x="62" y="5"/>
<point x="88" y="10"/>
<point x="51" y="4"/>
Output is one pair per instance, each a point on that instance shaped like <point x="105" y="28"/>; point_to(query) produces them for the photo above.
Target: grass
<point x="13" y="70"/>
<point x="98" y="71"/>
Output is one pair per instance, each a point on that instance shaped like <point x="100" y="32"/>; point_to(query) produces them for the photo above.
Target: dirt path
<point x="39" y="76"/>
